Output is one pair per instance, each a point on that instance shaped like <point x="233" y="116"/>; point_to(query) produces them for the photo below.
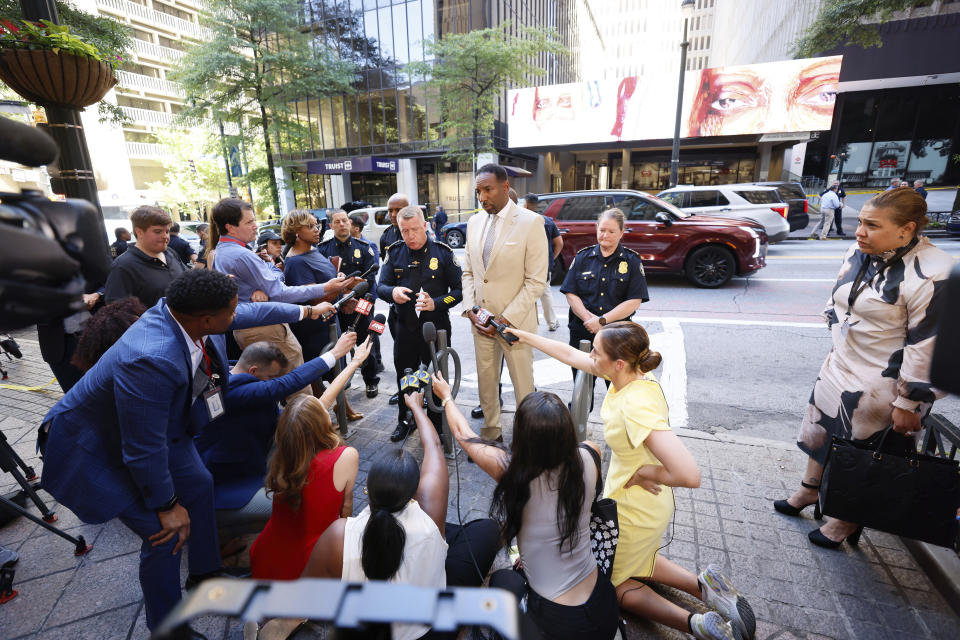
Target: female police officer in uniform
<point x="605" y="283"/>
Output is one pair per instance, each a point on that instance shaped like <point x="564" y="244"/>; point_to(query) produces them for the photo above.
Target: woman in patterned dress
<point x="882" y="316"/>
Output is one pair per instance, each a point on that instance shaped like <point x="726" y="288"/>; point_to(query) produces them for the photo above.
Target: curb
<point x="942" y="566"/>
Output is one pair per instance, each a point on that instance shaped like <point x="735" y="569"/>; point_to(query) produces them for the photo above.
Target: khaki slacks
<point x="282" y="337"/>
<point x="519" y="359"/>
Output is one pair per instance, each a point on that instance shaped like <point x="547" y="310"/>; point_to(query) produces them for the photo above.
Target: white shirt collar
<point x="196" y="353"/>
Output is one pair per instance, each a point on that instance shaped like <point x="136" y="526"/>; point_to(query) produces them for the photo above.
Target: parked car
<point x="376" y="220"/>
<point x="744" y="201"/>
<point x="454" y="234"/>
<point x="794" y="195"/>
<point x="708" y="250"/>
<point x="953" y="225"/>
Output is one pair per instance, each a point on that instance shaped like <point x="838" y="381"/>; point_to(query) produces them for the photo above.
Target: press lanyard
<point x="213" y="396"/>
<point x="206" y="358"/>
<point x="229" y="239"/>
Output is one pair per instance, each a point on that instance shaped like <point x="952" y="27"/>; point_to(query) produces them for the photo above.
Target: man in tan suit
<point x="505" y="272"/>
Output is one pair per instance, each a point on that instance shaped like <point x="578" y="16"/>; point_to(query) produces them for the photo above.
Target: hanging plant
<point x="47" y="64"/>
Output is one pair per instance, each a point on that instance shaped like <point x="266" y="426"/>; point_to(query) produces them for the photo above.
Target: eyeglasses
<point x="312" y="227"/>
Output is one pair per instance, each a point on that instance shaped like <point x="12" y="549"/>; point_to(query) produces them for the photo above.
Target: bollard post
<point x="445" y="435"/>
<point x="582" y="395"/>
<point x="341" y="406"/>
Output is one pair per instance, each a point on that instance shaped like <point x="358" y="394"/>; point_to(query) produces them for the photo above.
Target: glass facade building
<point x="390" y="114"/>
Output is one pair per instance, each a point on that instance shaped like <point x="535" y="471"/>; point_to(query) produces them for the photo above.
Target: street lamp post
<point x="687" y="7"/>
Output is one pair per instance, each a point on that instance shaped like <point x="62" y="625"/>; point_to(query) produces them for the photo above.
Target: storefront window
<point x="456" y="188"/>
<point x="928" y="160"/>
<point x="375" y="188"/>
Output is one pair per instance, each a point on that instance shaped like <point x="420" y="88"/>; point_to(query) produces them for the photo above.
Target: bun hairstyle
<point x="905" y="205"/>
<point x="628" y="341"/>
<point x="391" y="483"/>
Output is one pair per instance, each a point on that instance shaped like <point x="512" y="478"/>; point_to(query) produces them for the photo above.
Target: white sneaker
<point x="553" y="326"/>
<point x="710" y="626"/>
<point x="717" y="591"/>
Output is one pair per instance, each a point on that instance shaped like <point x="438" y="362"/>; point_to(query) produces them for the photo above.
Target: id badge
<point x="213" y="398"/>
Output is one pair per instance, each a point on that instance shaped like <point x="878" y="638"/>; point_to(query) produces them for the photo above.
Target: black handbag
<point x="604" y="523"/>
<point x="911" y="495"/>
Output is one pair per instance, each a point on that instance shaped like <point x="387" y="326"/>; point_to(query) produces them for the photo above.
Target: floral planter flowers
<point x="46" y="64"/>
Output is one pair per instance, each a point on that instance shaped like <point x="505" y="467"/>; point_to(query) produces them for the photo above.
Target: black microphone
<point x="26" y="145"/>
<point x="363" y="309"/>
<point x="358" y="291"/>
<point x="430" y="335"/>
<point x="377" y="324"/>
<point x="488" y="319"/>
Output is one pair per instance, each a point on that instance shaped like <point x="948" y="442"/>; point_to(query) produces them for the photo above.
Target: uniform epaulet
<point x="391" y="246"/>
<point x="631" y="251"/>
<point x="586" y="249"/>
<point x="327" y="241"/>
<point x="444" y="245"/>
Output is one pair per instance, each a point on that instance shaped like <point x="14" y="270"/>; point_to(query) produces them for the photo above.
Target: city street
<point x="739" y="363"/>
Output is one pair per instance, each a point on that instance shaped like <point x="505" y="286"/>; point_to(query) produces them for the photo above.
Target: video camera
<point x="48" y="249"/>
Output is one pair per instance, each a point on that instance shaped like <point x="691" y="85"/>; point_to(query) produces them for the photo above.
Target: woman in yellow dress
<point x="647" y="460"/>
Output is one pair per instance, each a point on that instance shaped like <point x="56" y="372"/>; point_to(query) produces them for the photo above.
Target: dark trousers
<point x="598" y="617"/>
<point x="410" y="350"/>
<point x="369" y="367"/>
<point x="159" y="568"/>
<point x="837" y="220"/>
<point x="478" y="540"/>
<point x="58" y="350"/>
<point x="577" y="333"/>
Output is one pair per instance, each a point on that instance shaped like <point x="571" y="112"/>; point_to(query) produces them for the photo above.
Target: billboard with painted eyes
<point x="774" y="97"/>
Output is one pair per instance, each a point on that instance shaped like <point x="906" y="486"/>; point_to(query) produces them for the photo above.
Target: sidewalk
<point x="874" y="591"/>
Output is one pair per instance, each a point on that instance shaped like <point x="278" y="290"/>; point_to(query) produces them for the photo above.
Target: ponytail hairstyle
<point x="628" y="341"/>
<point x="391" y="484"/>
<point x="544" y="441"/>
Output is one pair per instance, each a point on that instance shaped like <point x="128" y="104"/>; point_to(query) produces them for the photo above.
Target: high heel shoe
<point x="787" y="509"/>
<point x="817" y="538"/>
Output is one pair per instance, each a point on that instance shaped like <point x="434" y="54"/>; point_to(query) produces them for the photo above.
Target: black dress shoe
<point x="372" y="389"/>
<point x="401" y="432"/>
<point x="817" y="538"/>
<point x="224" y="572"/>
<point x="476" y="412"/>
<point x="394" y="399"/>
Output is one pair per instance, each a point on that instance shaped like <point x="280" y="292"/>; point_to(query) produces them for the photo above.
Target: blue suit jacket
<point x="110" y="436"/>
<point x="234" y="447"/>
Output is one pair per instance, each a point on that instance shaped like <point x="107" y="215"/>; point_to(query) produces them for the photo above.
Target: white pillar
<point x="407" y="179"/>
<point x="763" y="155"/>
<point x="287" y="200"/>
<point x="625" y="169"/>
<point x="340" y="191"/>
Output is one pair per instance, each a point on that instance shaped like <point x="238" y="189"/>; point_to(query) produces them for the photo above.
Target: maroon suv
<point x="708" y="250"/>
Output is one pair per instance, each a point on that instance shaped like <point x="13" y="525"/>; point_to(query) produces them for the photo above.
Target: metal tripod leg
<point x="445" y="436"/>
<point x="12" y="463"/>
<point x="80" y="545"/>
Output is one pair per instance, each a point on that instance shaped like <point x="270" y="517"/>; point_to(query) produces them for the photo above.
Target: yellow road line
<point x="20" y="387"/>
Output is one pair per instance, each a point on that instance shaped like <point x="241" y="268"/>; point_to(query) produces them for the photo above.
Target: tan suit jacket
<point x="509" y="286"/>
<point x="516" y="275"/>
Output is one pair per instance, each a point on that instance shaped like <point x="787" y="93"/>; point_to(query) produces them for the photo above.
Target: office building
<point x="386" y="136"/>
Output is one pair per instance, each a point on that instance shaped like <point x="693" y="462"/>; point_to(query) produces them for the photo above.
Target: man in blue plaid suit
<point x="120" y="444"/>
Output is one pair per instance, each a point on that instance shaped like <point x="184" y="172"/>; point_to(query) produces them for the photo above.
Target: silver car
<point x="762" y="205"/>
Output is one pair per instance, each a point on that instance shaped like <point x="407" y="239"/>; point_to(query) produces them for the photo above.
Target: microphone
<point x="430" y="336"/>
<point x="26" y="145"/>
<point x="357" y="292"/>
<point x="377" y="324"/>
<point x="487" y="319"/>
<point x="364" y="307"/>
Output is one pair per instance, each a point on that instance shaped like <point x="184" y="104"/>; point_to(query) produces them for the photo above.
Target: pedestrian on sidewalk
<point x="882" y="318"/>
<point x="829" y="203"/>
<point x="647" y="461"/>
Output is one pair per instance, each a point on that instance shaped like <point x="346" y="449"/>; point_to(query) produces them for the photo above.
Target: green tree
<point x="195" y="174"/>
<point x="469" y="72"/>
<point x="842" y="22"/>
<point x="260" y="62"/>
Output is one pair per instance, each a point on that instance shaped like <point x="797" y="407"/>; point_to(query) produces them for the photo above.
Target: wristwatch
<point x="170" y="504"/>
<point x="602" y="321"/>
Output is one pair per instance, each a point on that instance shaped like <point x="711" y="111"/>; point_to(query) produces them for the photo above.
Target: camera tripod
<point x="11" y="349"/>
<point x="15" y="502"/>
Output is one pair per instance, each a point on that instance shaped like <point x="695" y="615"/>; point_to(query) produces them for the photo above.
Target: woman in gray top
<point x="545" y="487"/>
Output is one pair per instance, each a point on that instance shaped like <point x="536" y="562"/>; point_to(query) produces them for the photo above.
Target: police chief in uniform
<point x="605" y="282"/>
<point x="417" y="263"/>
<point x="355" y="256"/>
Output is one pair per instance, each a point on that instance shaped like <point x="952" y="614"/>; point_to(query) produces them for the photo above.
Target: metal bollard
<point x="582" y="395"/>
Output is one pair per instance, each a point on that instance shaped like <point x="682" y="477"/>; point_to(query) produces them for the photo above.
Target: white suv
<point x="760" y="204"/>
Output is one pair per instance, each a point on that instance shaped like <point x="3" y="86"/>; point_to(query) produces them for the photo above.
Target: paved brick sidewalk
<point x="875" y="591"/>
